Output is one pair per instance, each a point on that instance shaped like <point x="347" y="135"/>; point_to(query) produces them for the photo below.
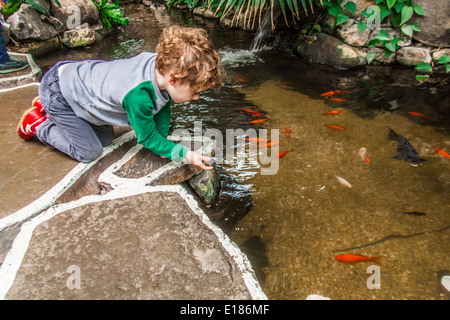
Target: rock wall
<point x="345" y="47"/>
<point x="76" y="22"/>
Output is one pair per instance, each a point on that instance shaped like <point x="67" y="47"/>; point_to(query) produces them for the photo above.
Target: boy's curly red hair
<point x="187" y="54"/>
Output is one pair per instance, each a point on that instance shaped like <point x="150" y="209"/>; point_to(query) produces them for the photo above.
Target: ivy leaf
<point x="447" y="68"/>
<point x="371" y="56"/>
<point x="350" y="7"/>
<point x="372" y="43"/>
<point x="361" y="27"/>
<point x="341" y="19"/>
<point x="398" y="7"/>
<point x="335" y="11"/>
<point x="444" y="59"/>
<point x="385" y="12"/>
<point x="423" y="66"/>
<point x="418" y="9"/>
<point x="391" y="46"/>
<point x="407" y="13"/>
<point x="407" y="29"/>
<point x="415" y="27"/>
<point x="390" y="3"/>
<point x="327" y="3"/>
<point x="382" y="36"/>
<point x="421" y="77"/>
<point x="38" y="6"/>
<point x="395" y="20"/>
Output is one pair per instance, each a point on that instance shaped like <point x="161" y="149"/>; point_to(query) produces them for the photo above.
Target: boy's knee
<point x="89" y="155"/>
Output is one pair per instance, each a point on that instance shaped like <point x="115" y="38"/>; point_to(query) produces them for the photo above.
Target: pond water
<point x="303" y="217"/>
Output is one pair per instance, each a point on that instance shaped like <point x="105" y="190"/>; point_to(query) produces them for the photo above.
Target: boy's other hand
<point x="198" y="160"/>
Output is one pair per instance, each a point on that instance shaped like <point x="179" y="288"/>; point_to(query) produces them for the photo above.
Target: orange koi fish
<point x="337" y="99"/>
<point x="257" y="140"/>
<point x="240" y="78"/>
<point x="442" y="152"/>
<point x="270" y="144"/>
<point x="420" y="115"/>
<point x="256" y="121"/>
<point x="363" y="155"/>
<point x="255" y="113"/>
<point x="332" y="112"/>
<point x="288" y="132"/>
<point x="334" y="127"/>
<point x="354" y="258"/>
<point x="281" y="154"/>
<point x="330" y="93"/>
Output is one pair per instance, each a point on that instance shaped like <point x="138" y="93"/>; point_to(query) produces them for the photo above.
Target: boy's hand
<point x="197" y="159"/>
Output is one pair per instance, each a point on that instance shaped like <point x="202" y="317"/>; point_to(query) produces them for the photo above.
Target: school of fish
<point x="405" y="152"/>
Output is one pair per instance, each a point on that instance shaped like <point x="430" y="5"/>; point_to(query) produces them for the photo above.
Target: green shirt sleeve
<point x="151" y="130"/>
<point x="162" y="120"/>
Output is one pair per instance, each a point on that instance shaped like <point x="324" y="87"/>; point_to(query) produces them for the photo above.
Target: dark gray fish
<point x="405" y="151"/>
<point x="415" y="213"/>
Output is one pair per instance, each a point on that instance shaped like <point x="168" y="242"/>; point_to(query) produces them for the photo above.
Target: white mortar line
<point x="21" y="87"/>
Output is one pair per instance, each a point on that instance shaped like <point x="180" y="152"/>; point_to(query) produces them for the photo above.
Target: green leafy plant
<point x="427" y="67"/>
<point x="336" y="10"/>
<point x="111" y="13"/>
<point x="190" y="3"/>
<point x="398" y="12"/>
<point x="14" y="5"/>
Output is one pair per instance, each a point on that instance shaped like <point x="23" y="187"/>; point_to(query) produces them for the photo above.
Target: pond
<point x="304" y="214"/>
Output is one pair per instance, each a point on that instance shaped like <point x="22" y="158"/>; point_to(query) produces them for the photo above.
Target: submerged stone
<point x="233" y="203"/>
<point x="207" y="185"/>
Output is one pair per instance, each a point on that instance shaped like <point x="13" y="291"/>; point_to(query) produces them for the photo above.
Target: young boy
<point x="79" y="102"/>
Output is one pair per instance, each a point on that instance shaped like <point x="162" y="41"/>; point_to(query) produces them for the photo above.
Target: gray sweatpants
<point x="63" y="129"/>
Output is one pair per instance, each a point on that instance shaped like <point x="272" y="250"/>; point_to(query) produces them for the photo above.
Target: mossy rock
<point x="332" y="51"/>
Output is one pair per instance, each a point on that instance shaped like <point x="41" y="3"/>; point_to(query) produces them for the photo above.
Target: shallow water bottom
<point x="306" y="217"/>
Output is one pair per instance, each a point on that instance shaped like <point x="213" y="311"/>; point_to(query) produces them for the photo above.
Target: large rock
<point x="435" y="25"/>
<point x="79" y="37"/>
<point x="74" y="13"/>
<point x="332" y="51"/>
<point x="412" y="56"/>
<point x="26" y="24"/>
<point x="349" y="33"/>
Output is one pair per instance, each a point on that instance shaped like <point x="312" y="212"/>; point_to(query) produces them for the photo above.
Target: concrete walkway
<point x="121" y="227"/>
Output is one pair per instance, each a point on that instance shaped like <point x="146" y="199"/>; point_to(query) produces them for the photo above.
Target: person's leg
<point x="105" y="134"/>
<point x="4" y="57"/>
<point x="63" y="129"/>
<point x="7" y="62"/>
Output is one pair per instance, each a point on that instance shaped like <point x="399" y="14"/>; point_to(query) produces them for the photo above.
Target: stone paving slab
<point x="29" y="169"/>
<point x="148" y="245"/>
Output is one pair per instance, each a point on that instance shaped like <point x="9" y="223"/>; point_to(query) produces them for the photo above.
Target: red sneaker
<point x="37" y="103"/>
<point x="28" y="123"/>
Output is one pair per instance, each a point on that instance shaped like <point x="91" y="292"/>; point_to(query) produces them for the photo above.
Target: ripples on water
<point x="302" y="216"/>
